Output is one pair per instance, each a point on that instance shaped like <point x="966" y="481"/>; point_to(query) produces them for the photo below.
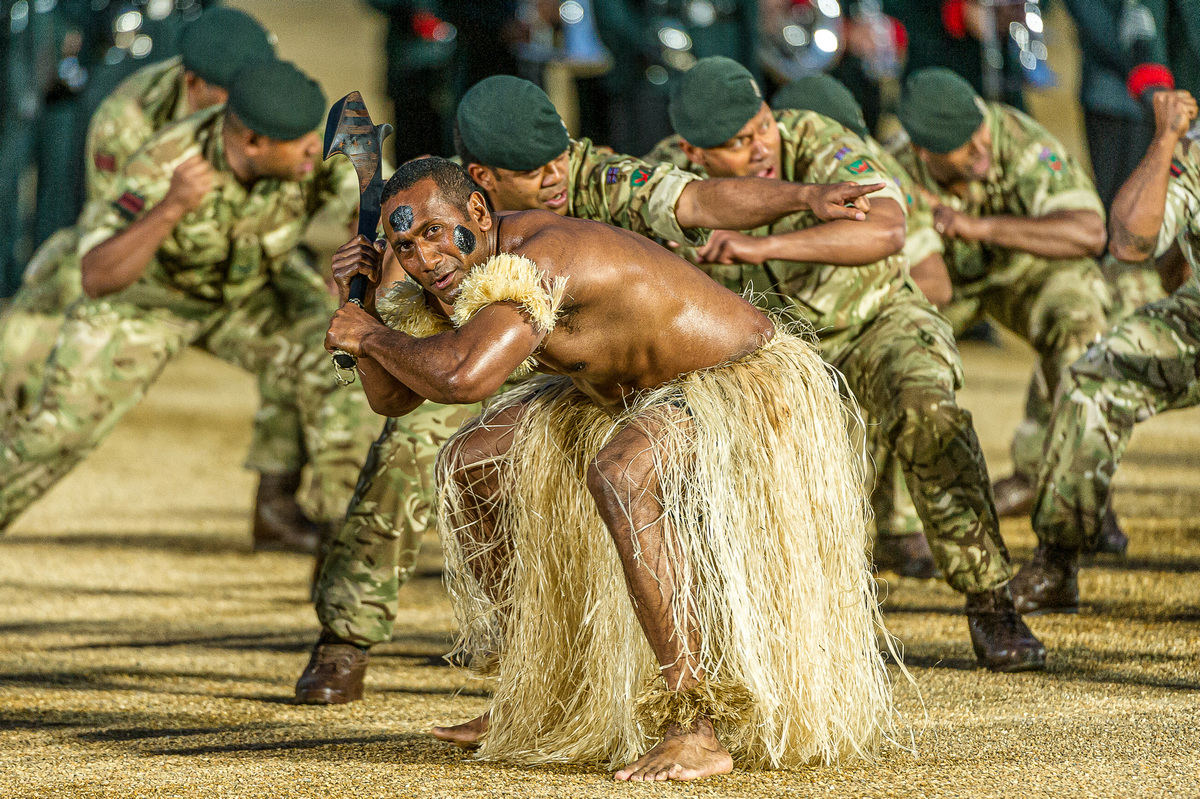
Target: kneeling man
<point x="674" y="495"/>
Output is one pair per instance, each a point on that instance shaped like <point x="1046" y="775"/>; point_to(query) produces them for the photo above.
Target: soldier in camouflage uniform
<point x="515" y="146"/>
<point x="1146" y="365"/>
<point x="192" y="246"/>
<point x="1022" y="225"/>
<point x="213" y="47"/>
<point x="851" y="284"/>
<point x="902" y="546"/>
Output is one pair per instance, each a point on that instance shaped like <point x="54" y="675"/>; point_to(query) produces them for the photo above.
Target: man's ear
<point x="693" y="153"/>
<point x="478" y="210"/>
<point x="485" y="177"/>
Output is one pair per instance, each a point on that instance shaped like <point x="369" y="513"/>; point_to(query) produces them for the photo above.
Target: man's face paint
<point x="401" y="218"/>
<point x="464" y="239"/>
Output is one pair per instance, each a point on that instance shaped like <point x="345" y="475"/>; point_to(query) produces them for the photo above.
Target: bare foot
<point x="682" y="755"/>
<point x="465" y="735"/>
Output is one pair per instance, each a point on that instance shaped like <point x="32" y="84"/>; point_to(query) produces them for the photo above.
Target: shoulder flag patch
<point x="640" y="175"/>
<point x="1176" y="167"/>
<point x="842" y="153"/>
<point x="130" y="204"/>
<point x="612" y="175"/>
<point x="105" y="162"/>
<point x="1053" y="162"/>
<point x="858" y="166"/>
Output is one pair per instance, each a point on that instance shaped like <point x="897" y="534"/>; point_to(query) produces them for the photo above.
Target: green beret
<point x="220" y="41"/>
<point x="939" y="110"/>
<point x="713" y="100"/>
<point x="275" y="99"/>
<point x="510" y="123"/>
<point x="827" y="96"/>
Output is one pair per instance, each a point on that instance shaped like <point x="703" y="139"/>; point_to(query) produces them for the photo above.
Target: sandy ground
<point x="144" y="651"/>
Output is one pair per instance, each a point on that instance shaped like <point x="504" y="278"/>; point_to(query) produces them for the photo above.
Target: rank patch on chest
<point x="130" y="204"/>
<point x="105" y="162"/>
<point x="612" y="175"/>
<point x="1176" y="168"/>
<point x="858" y="166"/>
<point x="640" y="176"/>
<point x="842" y="153"/>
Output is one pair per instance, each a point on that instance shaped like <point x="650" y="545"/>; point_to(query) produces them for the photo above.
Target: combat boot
<point x="1014" y="496"/>
<point x="1112" y="540"/>
<point x="1000" y="637"/>
<point x="334" y="674"/>
<point x="279" y="523"/>
<point x="1048" y="583"/>
<point x="906" y="555"/>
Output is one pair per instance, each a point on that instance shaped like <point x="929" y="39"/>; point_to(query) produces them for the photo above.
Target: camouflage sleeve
<point x="335" y="190"/>
<point x="1047" y="179"/>
<point x="117" y="130"/>
<point x="921" y="240"/>
<point x="1182" y="212"/>
<point x="631" y="193"/>
<point x="847" y="159"/>
<point x="139" y="186"/>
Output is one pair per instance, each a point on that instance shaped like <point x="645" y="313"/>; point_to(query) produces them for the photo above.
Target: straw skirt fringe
<point x="766" y="522"/>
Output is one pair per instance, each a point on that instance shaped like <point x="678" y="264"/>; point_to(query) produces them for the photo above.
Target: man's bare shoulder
<point x="542" y="234"/>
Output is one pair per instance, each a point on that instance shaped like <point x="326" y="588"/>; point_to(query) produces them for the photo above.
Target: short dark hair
<point x="453" y="182"/>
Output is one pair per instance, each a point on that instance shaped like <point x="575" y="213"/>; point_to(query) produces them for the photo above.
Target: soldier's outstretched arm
<point x="841" y="242"/>
<point x="1069" y="233"/>
<point x="119" y="261"/>
<point x="1140" y="204"/>
<point x="743" y="203"/>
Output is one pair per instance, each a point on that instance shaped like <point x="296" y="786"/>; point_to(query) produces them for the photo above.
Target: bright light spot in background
<point x="1034" y="22"/>
<point x="674" y="39"/>
<point x="656" y="75"/>
<point x="128" y="22"/>
<point x="829" y="8"/>
<point x="795" y="36"/>
<point x="141" y="46"/>
<point x="825" y="40"/>
<point x="571" y="12"/>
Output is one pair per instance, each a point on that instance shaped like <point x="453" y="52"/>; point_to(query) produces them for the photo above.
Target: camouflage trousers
<point x="109" y="352"/>
<point x="374" y="551"/>
<point x="904" y="369"/>
<point x="30" y="325"/>
<point x="1147" y="364"/>
<point x="1059" y="307"/>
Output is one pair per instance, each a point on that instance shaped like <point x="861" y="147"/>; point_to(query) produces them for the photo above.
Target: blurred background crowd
<point x="609" y="66"/>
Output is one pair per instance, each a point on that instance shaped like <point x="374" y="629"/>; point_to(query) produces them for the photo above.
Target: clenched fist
<point x="190" y="184"/>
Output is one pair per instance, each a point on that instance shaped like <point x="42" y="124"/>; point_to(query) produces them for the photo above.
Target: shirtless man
<point x="621" y="321"/>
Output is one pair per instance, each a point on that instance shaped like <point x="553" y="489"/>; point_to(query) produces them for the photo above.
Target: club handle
<point x="358" y="292"/>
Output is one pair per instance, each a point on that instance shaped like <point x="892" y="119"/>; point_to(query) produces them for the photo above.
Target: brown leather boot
<point x="1113" y="540"/>
<point x="279" y="523"/>
<point x="333" y="676"/>
<point x="1014" y="496"/>
<point x="1048" y="583"/>
<point x="999" y="635"/>
<point x="906" y="555"/>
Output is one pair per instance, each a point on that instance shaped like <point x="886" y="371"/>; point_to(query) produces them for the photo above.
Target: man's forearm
<point x="118" y="262"/>
<point x="739" y="203"/>
<point x="840" y="243"/>
<point x="1137" y="210"/>
<point x="1064" y="234"/>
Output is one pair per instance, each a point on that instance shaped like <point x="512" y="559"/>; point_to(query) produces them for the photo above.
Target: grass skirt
<point x="766" y="523"/>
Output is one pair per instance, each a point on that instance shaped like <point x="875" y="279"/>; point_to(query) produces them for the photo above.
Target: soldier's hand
<point x="359" y="256"/>
<point x="348" y="328"/>
<point x="191" y="182"/>
<point x="1173" y="114"/>
<point x="841" y="200"/>
<point x="731" y="247"/>
<point x="954" y="224"/>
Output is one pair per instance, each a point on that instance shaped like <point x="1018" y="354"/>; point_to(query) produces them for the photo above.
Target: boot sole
<point x="324" y="696"/>
<point x="1064" y="611"/>
<point x="1018" y="667"/>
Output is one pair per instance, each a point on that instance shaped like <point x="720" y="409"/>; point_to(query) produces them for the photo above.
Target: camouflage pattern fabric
<point x="222" y="280"/>
<point x="896" y="352"/>
<point x="371" y="554"/>
<point x="1148" y="364"/>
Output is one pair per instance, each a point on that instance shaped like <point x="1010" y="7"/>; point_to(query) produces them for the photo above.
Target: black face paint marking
<point x="401" y="219"/>
<point x="464" y="240"/>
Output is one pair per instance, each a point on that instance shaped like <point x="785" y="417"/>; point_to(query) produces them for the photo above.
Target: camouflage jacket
<point x="234" y="242"/>
<point x="815" y="150"/>
<point x="1032" y="175"/>
<point x="139" y="107"/>
<point x="626" y="192"/>
<point x="1181" y="217"/>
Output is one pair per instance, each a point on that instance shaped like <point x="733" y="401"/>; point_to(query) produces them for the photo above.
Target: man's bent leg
<point x="106" y="357"/>
<point x="904" y="369"/>
<point x="1146" y="365"/>
<point x="624" y="480"/>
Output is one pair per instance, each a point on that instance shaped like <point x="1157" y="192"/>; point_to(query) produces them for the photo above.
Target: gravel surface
<point x="145" y="651"/>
